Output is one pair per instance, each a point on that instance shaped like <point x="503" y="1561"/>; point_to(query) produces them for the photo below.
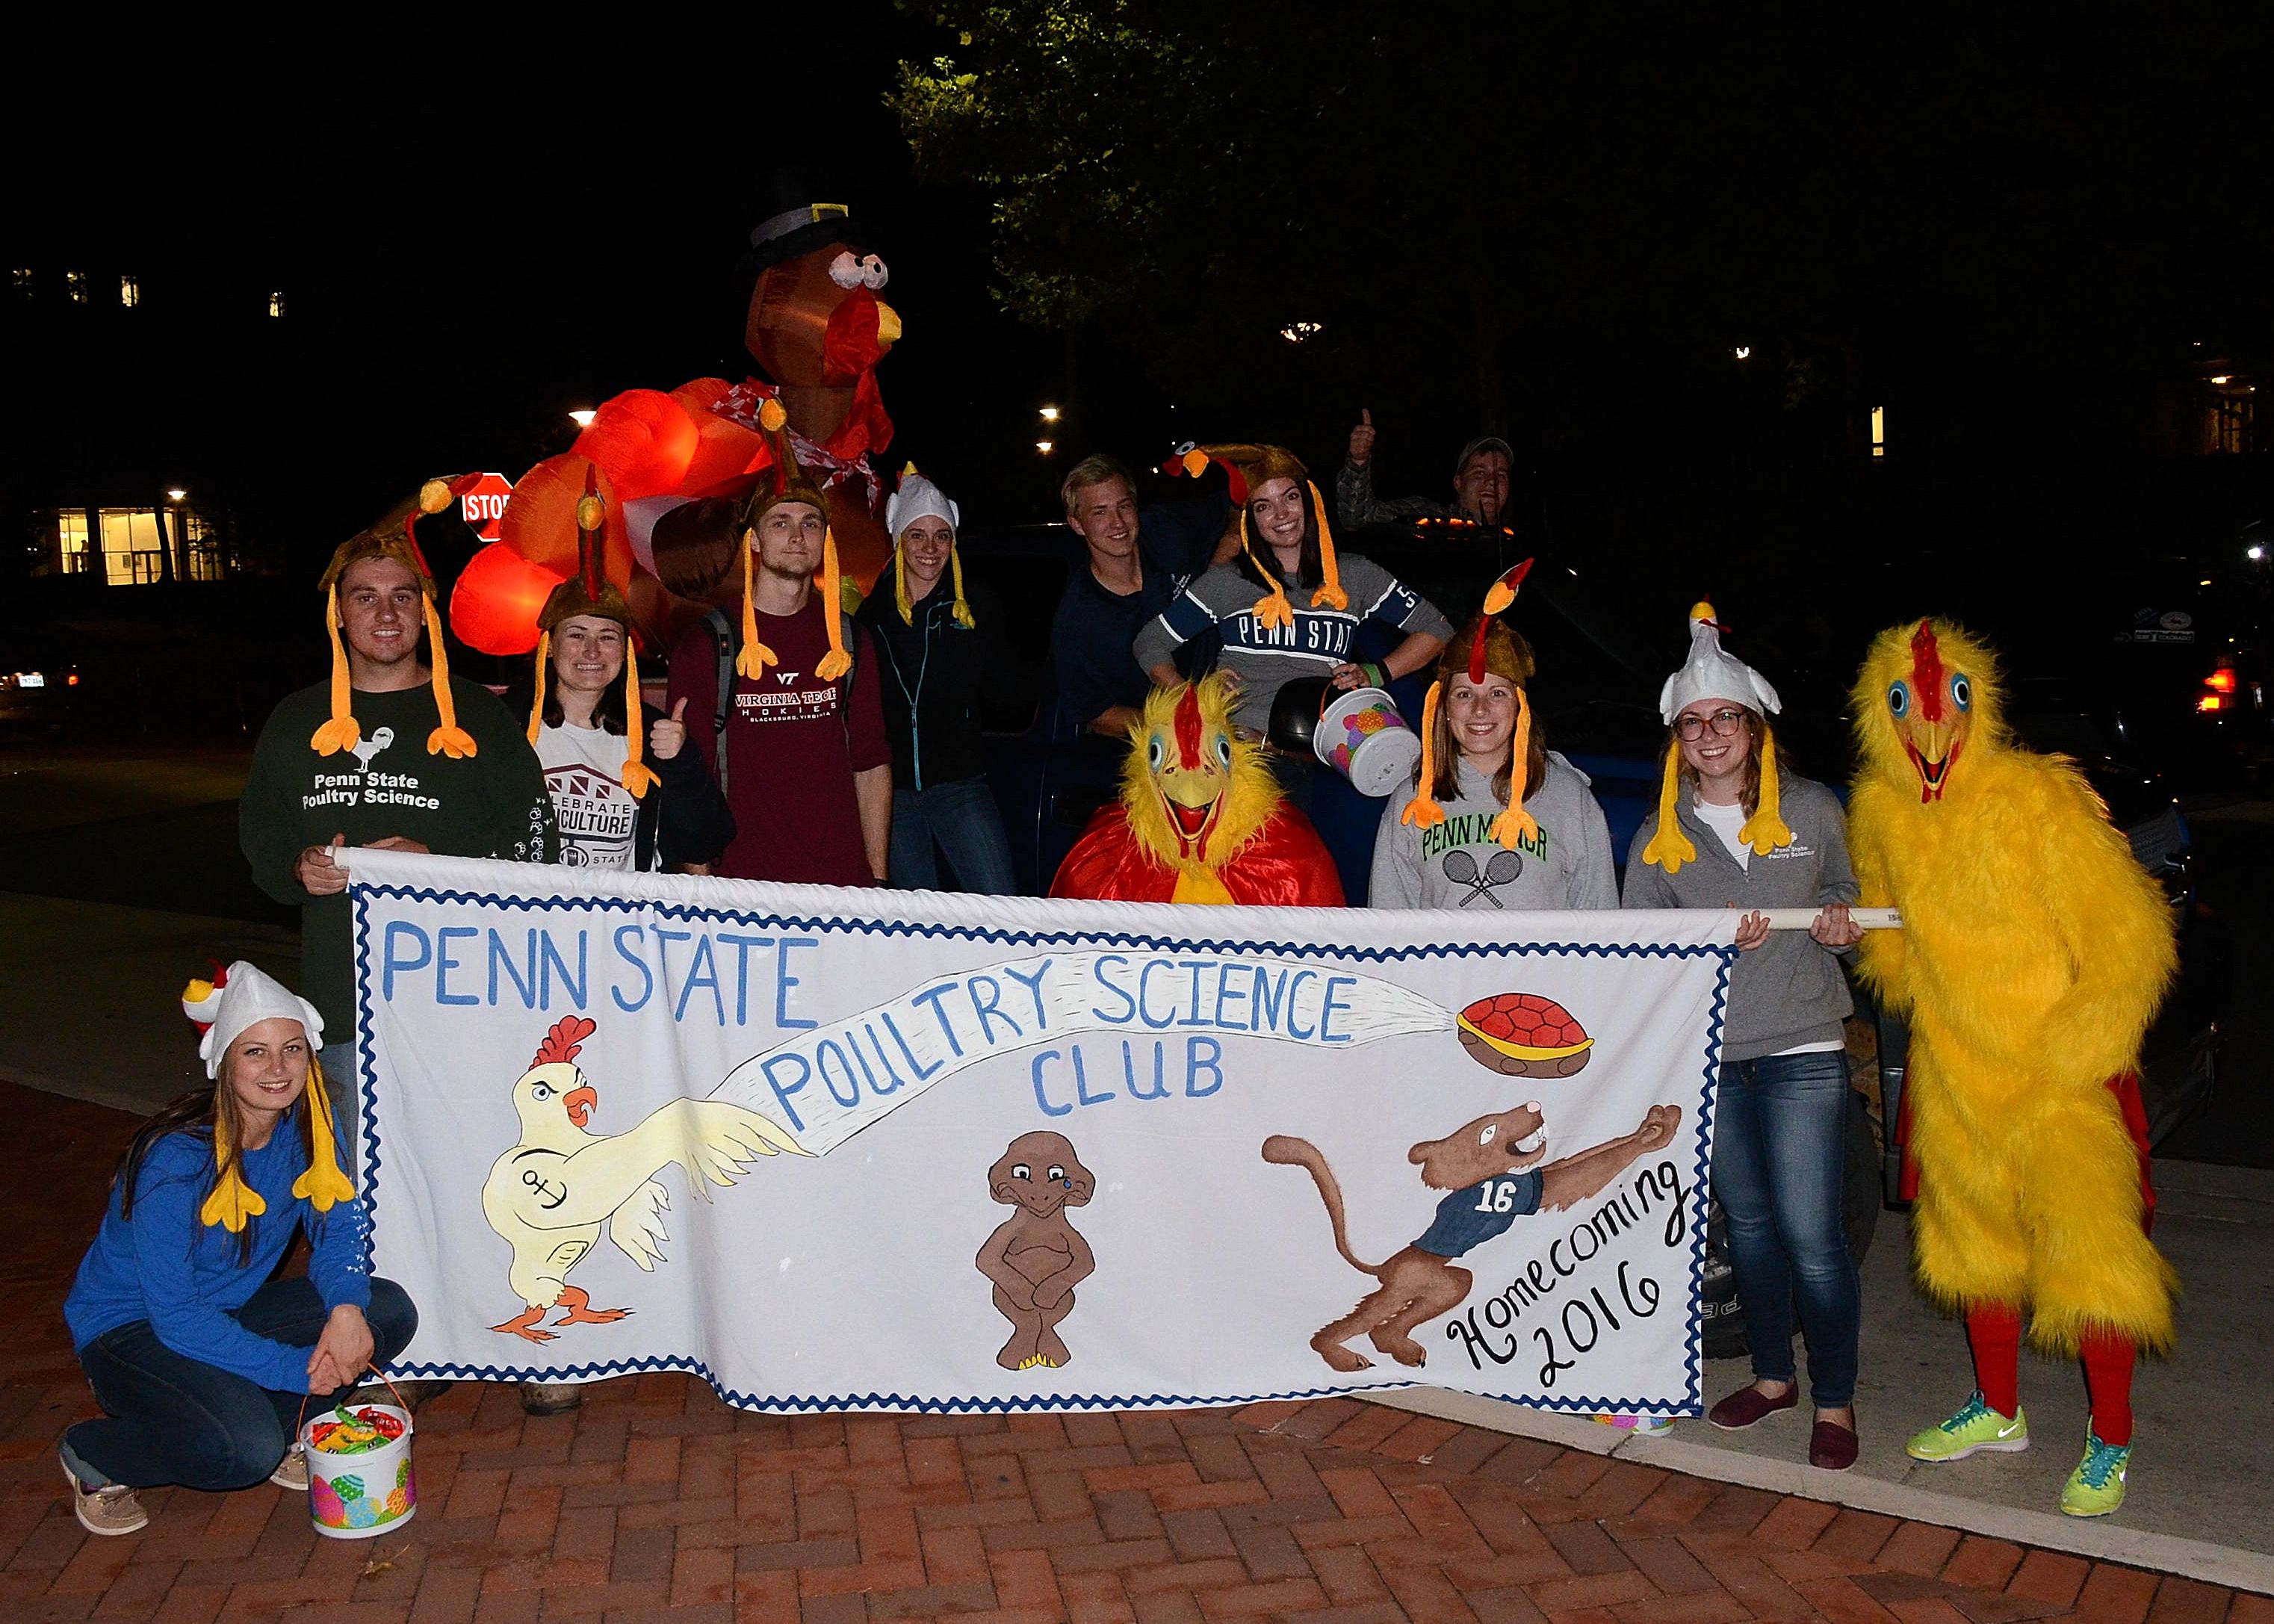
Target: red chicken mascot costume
<point x="1201" y="818"/>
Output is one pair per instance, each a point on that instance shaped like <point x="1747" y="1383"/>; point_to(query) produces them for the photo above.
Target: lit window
<point x="1879" y="431"/>
<point x="72" y="557"/>
<point x="75" y="284"/>
<point x="21" y="280"/>
<point x="133" y="548"/>
<point x="129" y="292"/>
<point x="276" y="303"/>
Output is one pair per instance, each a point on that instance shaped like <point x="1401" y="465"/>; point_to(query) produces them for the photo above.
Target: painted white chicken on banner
<point x="550" y="1195"/>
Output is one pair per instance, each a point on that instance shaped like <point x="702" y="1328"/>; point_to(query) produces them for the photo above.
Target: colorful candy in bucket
<point x="1363" y="737"/>
<point x="359" y="1479"/>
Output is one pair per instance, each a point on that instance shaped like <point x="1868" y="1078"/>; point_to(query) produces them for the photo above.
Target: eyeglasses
<point x="1688" y="728"/>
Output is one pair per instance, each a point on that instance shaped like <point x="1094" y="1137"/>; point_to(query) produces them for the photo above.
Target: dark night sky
<point x="479" y="226"/>
<point x="476" y="232"/>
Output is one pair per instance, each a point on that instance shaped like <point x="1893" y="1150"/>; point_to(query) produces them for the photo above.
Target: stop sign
<point x="485" y="505"/>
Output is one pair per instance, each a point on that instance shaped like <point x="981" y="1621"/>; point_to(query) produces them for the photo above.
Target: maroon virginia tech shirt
<point x="794" y="743"/>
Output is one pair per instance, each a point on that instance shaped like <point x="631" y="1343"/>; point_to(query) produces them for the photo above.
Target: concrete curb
<point x="2102" y="1538"/>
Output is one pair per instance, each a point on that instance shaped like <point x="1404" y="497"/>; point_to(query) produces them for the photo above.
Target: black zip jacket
<point x="932" y="675"/>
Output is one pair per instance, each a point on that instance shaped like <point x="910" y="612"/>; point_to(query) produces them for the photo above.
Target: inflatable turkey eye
<point x="1961" y="691"/>
<point x="1898" y="699"/>
<point x="1224" y="753"/>
<point x="845" y="270"/>
<point x="1155" y="752"/>
<point x="873" y="274"/>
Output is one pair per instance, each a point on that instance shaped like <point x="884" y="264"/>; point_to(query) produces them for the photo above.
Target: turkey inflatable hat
<point x="1711" y="673"/>
<point x="918" y="497"/>
<point x="789" y="482"/>
<point x="590" y="592"/>
<point x="1248" y="468"/>
<point x="240" y="997"/>
<point x="1485" y="648"/>
<point x="393" y="537"/>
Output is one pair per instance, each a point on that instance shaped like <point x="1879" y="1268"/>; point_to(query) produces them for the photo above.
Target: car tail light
<point x="2221" y="680"/>
<point x="2207" y="703"/>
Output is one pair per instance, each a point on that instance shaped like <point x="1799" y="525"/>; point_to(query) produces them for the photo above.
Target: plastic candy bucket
<point x="361" y="1496"/>
<point x="1362" y="737"/>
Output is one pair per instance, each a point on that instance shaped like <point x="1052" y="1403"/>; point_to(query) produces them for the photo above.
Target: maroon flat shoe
<point x="1747" y="1405"/>
<point x="1831" y="1447"/>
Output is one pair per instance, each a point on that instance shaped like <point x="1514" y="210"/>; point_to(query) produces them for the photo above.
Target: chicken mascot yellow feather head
<point x="1194" y="790"/>
<point x="1928" y="694"/>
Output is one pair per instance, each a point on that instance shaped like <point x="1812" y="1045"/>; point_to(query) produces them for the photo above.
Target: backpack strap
<point x="723" y="636"/>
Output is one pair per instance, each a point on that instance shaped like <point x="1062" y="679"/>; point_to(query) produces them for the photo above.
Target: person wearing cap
<point x="627" y="792"/>
<point x="201" y="1362"/>
<point x="1138" y="562"/>
<point x="1288" y="605"/>
<point x="1497" y="819"/>
<point x="1481" y="481"/>
<point x="935" y="654"/>
<point x="391" y="752"/>
<point x="807" y="767"/>
<point x="1736" y="828"/>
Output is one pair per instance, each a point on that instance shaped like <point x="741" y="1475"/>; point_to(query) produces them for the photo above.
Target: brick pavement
<point x="656" y="1502"/>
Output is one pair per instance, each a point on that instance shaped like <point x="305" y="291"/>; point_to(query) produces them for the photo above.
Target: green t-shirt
<point x="491" y="804"/>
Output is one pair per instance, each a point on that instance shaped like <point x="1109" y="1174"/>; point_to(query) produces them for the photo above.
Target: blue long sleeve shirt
<point x="163" y="1264"/>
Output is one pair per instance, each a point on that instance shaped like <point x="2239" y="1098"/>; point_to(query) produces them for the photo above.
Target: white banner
<point x="836" y="1149"/>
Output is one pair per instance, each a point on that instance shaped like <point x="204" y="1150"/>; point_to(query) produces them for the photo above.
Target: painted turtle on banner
<point x="1523" y="1034"/>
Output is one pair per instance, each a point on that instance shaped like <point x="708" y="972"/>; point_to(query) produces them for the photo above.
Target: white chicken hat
<point x="918" y="497"/>
<point x="240" y="997"/>
<point x="1711" y="673"/>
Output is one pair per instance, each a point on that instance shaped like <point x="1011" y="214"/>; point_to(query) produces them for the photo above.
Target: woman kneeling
<point x="202" y="1363"/>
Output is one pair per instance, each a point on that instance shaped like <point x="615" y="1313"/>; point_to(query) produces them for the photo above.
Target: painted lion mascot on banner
<point x="1201" y="818"/>
<point x="2033" y="953"/>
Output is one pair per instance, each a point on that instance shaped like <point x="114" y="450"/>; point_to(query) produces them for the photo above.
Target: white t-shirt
<point x="1725" y="821"/>
<point x="596" y="814"/>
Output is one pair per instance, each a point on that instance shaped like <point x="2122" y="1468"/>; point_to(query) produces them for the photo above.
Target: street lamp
<point x="583" y="416"/>
<point x="174" y="493"/>
<point x="1050" y="414"/>
<point x="1045" y="447"/>
<point x="1744" y="352"/>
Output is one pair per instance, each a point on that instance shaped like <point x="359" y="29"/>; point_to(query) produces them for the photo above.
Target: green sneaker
<point x="2097" y="1486"/>
<point x="1975" y="1429"/>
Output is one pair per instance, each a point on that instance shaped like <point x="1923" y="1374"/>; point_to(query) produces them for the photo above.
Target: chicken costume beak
<point x="1933" y="747"/>
<point x="579" y="1102"/>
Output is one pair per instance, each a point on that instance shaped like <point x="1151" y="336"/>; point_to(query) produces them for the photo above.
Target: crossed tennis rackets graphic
<point x="1461" y="869"/>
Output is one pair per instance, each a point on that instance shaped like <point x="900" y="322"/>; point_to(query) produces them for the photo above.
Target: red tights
<point x="1993" y="1331"/>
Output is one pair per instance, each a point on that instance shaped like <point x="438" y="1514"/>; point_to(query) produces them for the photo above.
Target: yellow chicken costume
<point x="1201" y="818"/>
<point x="2033" y="954"/>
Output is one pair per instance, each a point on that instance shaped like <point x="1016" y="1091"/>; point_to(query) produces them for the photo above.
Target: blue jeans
<point x="961" y="819"/>
<point x="170" y="1418"/>
<point x="1779" y="1152"/>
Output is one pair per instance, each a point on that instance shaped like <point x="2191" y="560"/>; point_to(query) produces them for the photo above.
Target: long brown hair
<point x="196" y="1113"/>
<point x="1757" y="730"/>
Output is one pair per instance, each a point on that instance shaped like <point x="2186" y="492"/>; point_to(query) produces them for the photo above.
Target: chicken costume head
<point x="1926" y="694"/>
<point x="1200" y="817"/>
<point x="552" y="1099"/>
<point x="1195" y="791"/>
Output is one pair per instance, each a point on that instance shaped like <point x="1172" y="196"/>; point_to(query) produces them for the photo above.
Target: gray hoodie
<point x="1789" y="990"/>
<point x="1458" y="864"/>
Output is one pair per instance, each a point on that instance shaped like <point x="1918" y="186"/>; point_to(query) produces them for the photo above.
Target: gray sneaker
<point x="110" y="1510"/>
<point x="551" y="1398"/>
<point x="291" y="1472"/>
